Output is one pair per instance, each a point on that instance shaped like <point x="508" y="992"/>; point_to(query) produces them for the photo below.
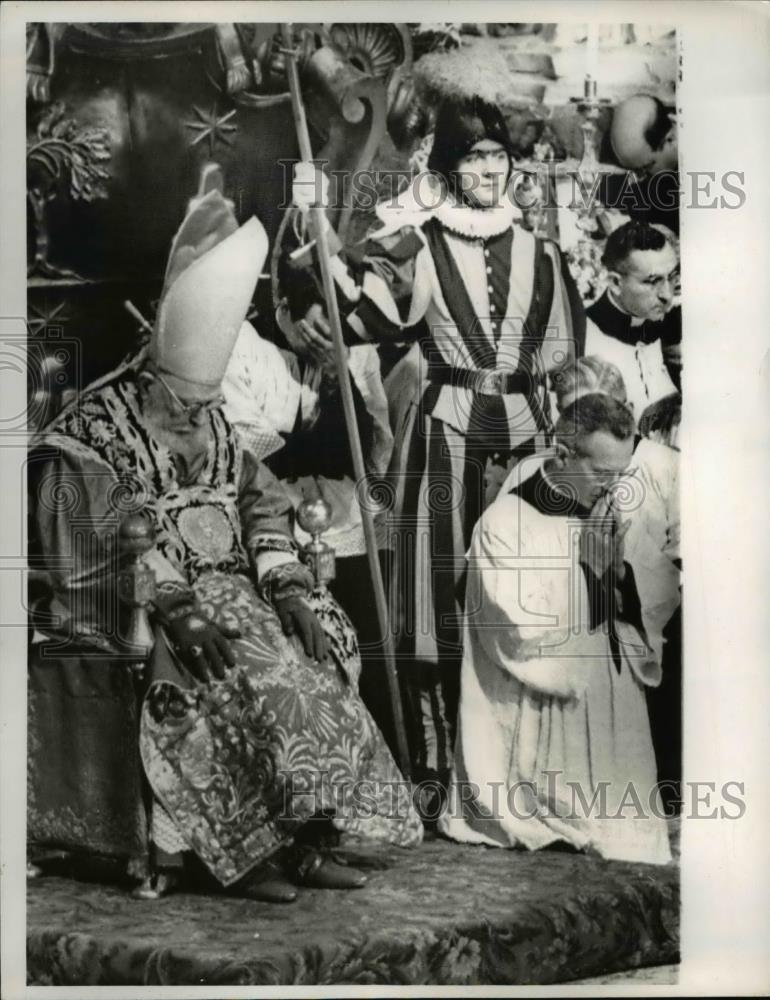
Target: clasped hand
<point x="311" y="338"/>
<point x="602" y="541"/>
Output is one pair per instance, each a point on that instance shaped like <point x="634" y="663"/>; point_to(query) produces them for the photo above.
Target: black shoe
<point x="267" y="884"/>
<point x="563" y="847"/>
<point x="319" y="869"/>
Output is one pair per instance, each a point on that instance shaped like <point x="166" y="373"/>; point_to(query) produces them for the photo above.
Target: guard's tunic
<point x="493" y="309"/>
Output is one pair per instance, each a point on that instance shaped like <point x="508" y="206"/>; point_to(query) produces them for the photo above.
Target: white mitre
<point x="212" y="271"/>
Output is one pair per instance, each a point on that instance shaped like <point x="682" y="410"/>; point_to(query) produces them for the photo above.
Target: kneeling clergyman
<point x="251" y="723"/>
<point x="554" y="740"/>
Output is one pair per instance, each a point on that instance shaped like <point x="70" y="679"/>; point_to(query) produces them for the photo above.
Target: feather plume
<point x="476" y="69"/>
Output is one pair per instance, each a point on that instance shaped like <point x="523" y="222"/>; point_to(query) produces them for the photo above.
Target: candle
<point x="592" y="51"/>
<point x="592" y="61"/>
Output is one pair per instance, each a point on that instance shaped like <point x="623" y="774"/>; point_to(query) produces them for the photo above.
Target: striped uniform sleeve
<point x="385" y="281"/>
<point x="376" y="287"/>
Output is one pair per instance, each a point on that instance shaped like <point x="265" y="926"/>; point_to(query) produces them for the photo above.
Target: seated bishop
<point x="254" y="741"/>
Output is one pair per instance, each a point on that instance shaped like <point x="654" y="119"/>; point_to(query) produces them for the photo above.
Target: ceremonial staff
<point x="332" y="310"/>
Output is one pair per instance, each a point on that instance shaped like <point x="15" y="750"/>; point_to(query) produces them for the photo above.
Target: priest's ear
<point x="561" y="454"/>
<point x="614" y="281"/>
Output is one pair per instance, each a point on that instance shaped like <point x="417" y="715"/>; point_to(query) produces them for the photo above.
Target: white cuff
<point x="266" y="561"/>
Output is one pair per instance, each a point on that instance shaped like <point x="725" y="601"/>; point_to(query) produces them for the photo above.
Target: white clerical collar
<point x="635" y="320"/>
<point x="477" y="223"/>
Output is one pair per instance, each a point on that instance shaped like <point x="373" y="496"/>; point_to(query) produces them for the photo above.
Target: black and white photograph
<point x="373" y="475"/>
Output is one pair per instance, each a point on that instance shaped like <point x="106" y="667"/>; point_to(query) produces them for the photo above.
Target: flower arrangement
<point x="584" y="260"/>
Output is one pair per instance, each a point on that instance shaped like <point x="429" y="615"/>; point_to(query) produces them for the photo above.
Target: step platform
<point x="440" y="914"/>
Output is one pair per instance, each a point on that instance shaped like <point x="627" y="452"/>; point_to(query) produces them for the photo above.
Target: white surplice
<point x="547" y="721"/>
<point x="268" y="393"/>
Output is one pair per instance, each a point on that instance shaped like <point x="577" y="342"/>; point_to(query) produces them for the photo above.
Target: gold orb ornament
<point x="314" y="516"/>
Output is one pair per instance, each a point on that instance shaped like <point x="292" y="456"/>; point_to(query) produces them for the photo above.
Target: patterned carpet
<point x="443" y="914"/>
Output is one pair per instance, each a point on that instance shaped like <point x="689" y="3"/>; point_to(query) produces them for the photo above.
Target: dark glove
<point x="201" y="645"/>
<point x="298" y="619"/>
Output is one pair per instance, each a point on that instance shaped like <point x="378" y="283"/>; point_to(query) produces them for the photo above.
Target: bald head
<point x="643" y="136"/>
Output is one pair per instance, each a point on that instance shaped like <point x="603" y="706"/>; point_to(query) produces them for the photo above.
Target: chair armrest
<point x="137" y="586"/>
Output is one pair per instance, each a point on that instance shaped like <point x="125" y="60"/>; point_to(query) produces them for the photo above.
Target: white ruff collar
<point x="477" y="223"/>
<point x="422" y="201"/>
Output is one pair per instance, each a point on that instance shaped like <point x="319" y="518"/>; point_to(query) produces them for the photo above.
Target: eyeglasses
<point x="610" y="478"/>
<point x="605" y="476"/>
<point x="195" y="409"/>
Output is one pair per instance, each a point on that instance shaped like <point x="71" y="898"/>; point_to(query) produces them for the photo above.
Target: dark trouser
<point x="431" y="696"/>
<point x="665" y="707"/>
